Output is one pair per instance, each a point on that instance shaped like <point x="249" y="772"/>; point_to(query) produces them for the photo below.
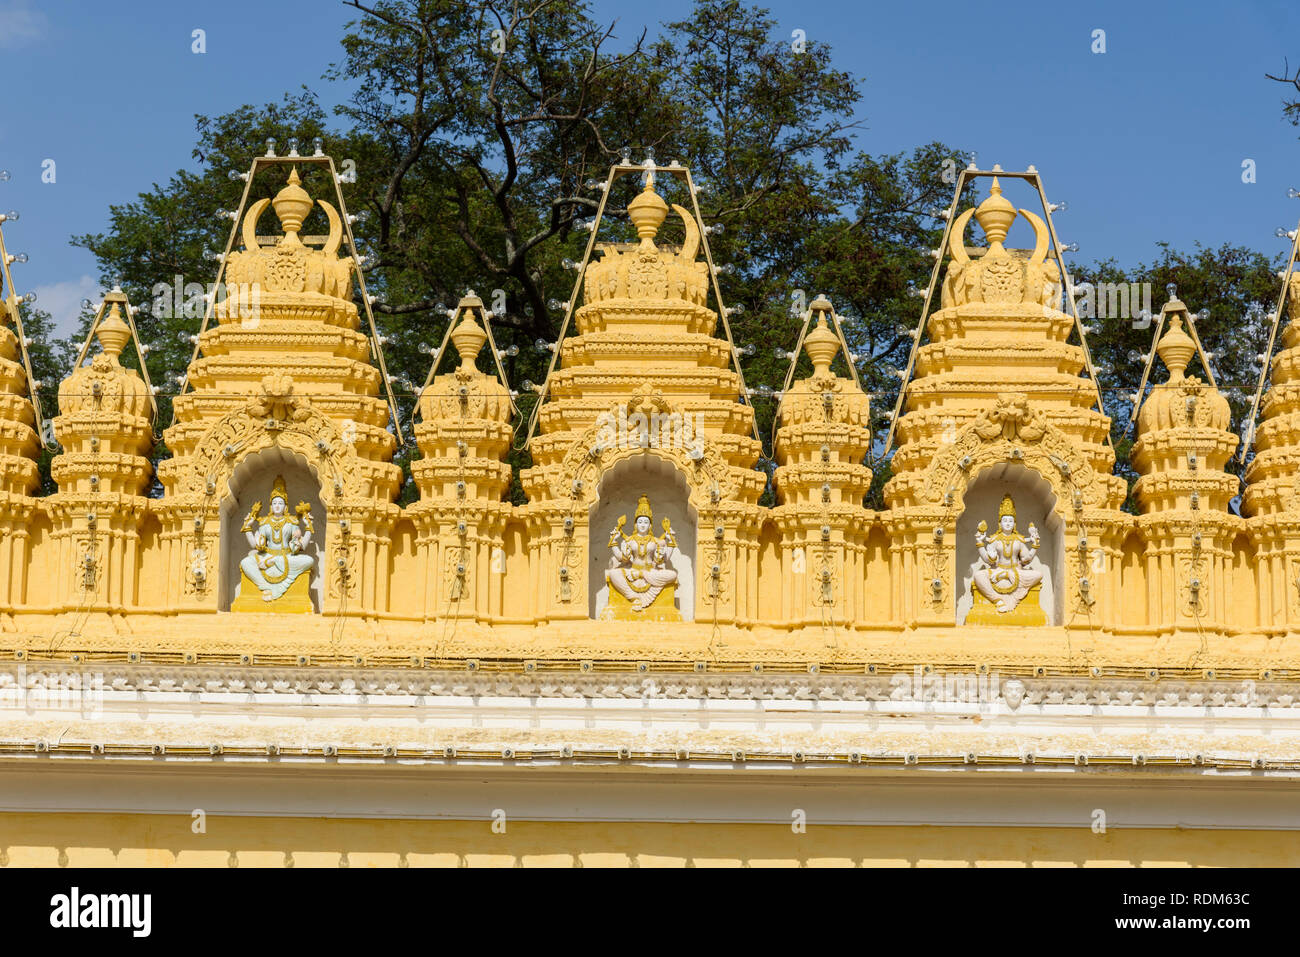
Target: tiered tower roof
<point x="999" y="331"/>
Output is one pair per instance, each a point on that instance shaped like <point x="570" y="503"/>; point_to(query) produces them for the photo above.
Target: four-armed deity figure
<point x="639" y="566"/>
<point x="1006" y="571"/>
<point x="277" y="542"/>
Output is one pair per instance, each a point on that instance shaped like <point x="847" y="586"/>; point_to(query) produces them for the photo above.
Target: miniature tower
<point x="823" y="433"/>
<point x="998" y="400"/>
<point x="19" y="446"/>
<point x="1181" y="451"/>
<point x="1272" y="497"/>
<point x="645" y="403"/>
<point x="464" y="432"/>
<point x="105" y="427"/>
<point x="284" y="382"/>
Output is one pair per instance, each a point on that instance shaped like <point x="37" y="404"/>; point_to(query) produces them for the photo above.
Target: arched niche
<point x="250" y="482"/>
<point x="1035" y="502"/>
<point x="617" y="494"/>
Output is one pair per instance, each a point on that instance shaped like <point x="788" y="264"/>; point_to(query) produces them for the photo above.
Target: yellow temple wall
<point x="152" y="840"/>
<point x="881" y="569"/>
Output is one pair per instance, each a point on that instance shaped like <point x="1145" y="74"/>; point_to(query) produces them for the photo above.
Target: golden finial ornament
<point x="291" y="205"/>
<point x="821" y="344"/>
<point x="647" y="213"/>
<point x="995" y="215"/>
<point x="468" y="336"/>
<point x="113" y="334"/>
<point x="1176" y="349"/>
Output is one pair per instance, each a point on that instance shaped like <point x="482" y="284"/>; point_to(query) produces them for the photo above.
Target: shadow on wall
<point x="669" y="495"/>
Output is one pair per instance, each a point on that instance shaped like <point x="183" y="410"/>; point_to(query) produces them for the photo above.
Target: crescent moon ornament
<point x="1040" y="236"/>
<point x="957" y="238"/>
<point x="691" y="246"/>
<point x="336" y="229"/>
<point x="250" y="224"/>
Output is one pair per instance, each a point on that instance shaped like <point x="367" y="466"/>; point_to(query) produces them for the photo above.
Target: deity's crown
<point x="278" y="489"/>
<point x="643" y="507"/>
<point x="1008" y="507"/>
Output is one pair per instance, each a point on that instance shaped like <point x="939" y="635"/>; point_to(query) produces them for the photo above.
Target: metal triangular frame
<point x="1248" y="437"/>
<point x="13" y="304"/>
<point x="119" y="297"/>
<point x="616" y="171"/>
<point x="259" y="163"/>
<point x="453" y="316"/>
<point x="1151" y="355"/>
<point x="1031" y="176"/>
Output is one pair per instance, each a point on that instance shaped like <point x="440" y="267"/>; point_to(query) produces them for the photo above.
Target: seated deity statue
<point x="1006" y="572"/>
<point x="639" y="570"/>
<point x="276" y="560"/>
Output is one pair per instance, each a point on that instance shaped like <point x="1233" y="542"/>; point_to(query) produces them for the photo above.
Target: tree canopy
<point x="480" y="132"/>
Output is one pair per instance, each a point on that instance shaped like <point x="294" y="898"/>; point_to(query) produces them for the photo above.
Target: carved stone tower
<point x="1183" y="445"/>
<point x="645" y="394"/>
<point x="823" y="434"/>
<point x="105" y="427"/>
<point x="998" y="399"/>
<point x="250" y="413"/>
<point x="464" y="432"/>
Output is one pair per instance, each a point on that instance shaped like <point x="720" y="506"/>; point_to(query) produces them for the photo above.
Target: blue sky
<point x="1145" y="141"/>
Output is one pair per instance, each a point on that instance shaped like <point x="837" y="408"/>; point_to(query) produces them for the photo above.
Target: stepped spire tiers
<point x="20" y="444"/>
<point x="611" y="568"/>
<point x="1186" y="528"/>
<point x="1271" y="478"/>
<point x="279" y="491"/>
<point x="644" y="402"/>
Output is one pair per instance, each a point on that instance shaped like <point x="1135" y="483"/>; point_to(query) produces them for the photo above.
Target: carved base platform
<point x="984" y="612"/>
<point x="295" y="601"/>
<point x="661" y="609"/>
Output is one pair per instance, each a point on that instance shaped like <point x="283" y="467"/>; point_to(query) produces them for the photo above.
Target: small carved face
<point x="1008" y="523"/>
<point x="277" y="506"/>
<point x="1013" y="692"/>
<point x="642" y="524"/>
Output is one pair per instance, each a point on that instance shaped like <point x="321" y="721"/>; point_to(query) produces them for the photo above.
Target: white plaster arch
<point x="617" y="492"/>
<point x="1035" y="502"/>
<point x="250" y="481"/>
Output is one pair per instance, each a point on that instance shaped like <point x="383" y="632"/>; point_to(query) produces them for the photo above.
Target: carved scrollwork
<point x="1012" y="432"/>
<point x="456" y="573"/>
<point x="614" y="436"/>
<point x="343" y="570"/>
<point x="1011" y="418"/>
<point x="274" y="417"/>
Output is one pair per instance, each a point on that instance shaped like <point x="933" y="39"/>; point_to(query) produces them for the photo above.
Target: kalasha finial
<point x="995" y="215"/>
<point x="647" y="212"/>
<point x="112" y="333"/>
<point x="822" y="345"/>
<point x="468" y="336"/>
<point x="292" y="204"/>
<point x="1176" y="348"/>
